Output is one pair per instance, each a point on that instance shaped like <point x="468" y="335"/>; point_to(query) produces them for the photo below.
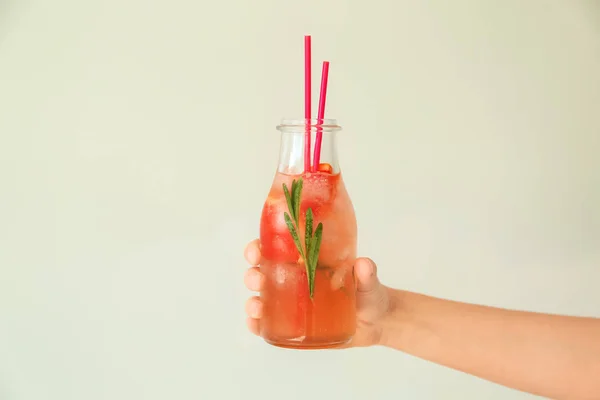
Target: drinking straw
<point x="307" y="105"/>
<point x="321" y="115"/>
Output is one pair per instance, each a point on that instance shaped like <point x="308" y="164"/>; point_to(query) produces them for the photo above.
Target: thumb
<point x="365" y="271"/>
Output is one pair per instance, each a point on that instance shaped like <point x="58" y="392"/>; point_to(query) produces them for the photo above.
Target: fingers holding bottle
<point x="254" y="281"/>
<point x="252" y="252"/>
<point x="254" y="310"/>
<point x="253" y="278"/>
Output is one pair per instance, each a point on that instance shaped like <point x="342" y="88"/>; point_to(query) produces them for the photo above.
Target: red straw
<point x="321" y="115"/>
<point x="307" y="106"/>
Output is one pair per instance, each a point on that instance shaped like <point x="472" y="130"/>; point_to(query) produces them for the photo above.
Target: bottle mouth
<point x="300" y="124"/>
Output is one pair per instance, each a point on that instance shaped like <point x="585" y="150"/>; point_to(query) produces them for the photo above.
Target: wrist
<point x="392" y="326"/>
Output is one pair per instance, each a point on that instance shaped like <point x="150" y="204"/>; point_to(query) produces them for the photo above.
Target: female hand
<point x="373" y="300"/>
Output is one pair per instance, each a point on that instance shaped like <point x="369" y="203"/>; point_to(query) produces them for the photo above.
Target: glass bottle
<point x="309" y="294"/>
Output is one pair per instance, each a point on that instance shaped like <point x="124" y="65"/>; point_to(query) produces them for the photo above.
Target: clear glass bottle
<point x="309" y="293"/>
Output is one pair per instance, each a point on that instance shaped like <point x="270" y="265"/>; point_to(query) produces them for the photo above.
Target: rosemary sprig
<point x="312" y="240"/>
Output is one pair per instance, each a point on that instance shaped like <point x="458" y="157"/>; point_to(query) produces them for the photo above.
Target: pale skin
<point x="548" y="355"/>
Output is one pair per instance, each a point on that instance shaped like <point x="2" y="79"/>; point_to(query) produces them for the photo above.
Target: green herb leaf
<point x="294" y="234"/>
<point x="314" y="257"/>
<point x="296" y="192"/>
<point x="293" y="210"/>
<point x="288" y="198"/>
<point x="312" y="240"/>
<point x="308" y="232"/>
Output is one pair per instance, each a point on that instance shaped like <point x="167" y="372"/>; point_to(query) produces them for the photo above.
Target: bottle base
<point x="307" y="344"/>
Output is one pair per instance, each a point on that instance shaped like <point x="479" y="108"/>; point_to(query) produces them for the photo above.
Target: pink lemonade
<point x="293" y="317"/>
<point x="308" y="235"/>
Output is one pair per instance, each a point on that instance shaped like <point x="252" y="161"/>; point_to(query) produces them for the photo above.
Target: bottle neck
<point x="294" y="159"/>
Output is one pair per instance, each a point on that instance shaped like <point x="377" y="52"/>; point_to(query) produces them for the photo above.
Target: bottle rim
<point x="300" y="124"/>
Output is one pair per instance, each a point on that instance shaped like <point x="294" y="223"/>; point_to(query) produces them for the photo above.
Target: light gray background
<point x="138" y="144"/>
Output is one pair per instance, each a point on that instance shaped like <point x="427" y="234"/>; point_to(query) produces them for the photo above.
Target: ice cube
<point x="318" y="187"/>
<point x="280" y="274"/>
<point x="276" y="209"/>
<point x="339" y="276"/>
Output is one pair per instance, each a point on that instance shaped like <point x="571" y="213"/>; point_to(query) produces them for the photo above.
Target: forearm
<point x="548" y="355"/>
